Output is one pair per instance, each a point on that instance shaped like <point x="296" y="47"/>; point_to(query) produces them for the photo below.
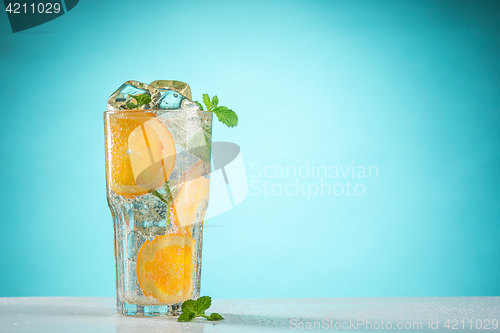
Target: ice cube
<point x="123" y="95"/>
<point x="178" y="86"/>
<point x="149" y="211"/>
<point x="174" y="95"/>
<point x="172" y="100"/>
<point x="189" y="131"/>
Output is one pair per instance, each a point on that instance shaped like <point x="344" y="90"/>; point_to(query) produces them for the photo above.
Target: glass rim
<point x="174" y="111"/>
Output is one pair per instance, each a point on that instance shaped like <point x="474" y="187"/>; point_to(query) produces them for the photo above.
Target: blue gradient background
<point x="409" y="86"/>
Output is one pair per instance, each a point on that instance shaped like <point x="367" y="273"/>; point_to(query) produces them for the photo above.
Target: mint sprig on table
<point x="223" y="113"/>
<point x="141" y="100"/>
<point x="192" y="309"/>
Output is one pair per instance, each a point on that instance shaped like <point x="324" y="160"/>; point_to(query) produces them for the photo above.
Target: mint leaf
<point x="159" y="196"/>
<point x="186" y="316"/>
<point x="192" y="309"/>
<point x="214" y="316"/>
<point x="167" y="199"/>
<point x="169" y="193"/>
<point x="189" y="306"/>
<point x="202" y="304"/>
<point x="226" y="116"/>
<point x="223" y="113"/>
<point x="131" y="106"/>
<point x="142" y="99"/>
<point x="208" y="103"/>
<point x="199" y="104"/>
<point x="215" y="101"/>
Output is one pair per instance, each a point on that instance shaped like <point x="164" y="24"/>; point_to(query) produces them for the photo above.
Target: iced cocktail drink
<point x="157" y="177"/>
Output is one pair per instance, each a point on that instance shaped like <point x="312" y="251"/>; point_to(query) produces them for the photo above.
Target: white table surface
<point x="98" y="314"/>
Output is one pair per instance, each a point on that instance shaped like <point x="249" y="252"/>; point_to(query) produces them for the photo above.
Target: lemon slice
<point x="165" y="268"/>
<point x="141" y="153"/>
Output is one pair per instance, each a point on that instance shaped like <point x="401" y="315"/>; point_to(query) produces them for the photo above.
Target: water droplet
<point x="128" y="151"/>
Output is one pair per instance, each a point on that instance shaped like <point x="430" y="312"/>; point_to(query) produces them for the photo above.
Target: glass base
<point x="135" y="310"/>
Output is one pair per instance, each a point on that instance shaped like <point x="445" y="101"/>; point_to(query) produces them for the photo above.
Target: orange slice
<point x="165" y="268"/>
<point x="141" y="153"/>
<point x="193" y="196"/>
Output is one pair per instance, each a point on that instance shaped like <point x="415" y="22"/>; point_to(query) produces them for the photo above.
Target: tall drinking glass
<point x="157" y="183"/>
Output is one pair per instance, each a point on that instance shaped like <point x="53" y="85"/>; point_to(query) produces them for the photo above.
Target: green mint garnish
<point x="226" y="116"/>
<point x="223" y="113"/>
<point x="192" y="309"/>
<point x="141" y="99"/>
<point x="168" y="199"/>
<point x="214" y="316"/>
<point x="159" y="196"/>
<point x="206" y="100"/>
<point x="185" y="317"/>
